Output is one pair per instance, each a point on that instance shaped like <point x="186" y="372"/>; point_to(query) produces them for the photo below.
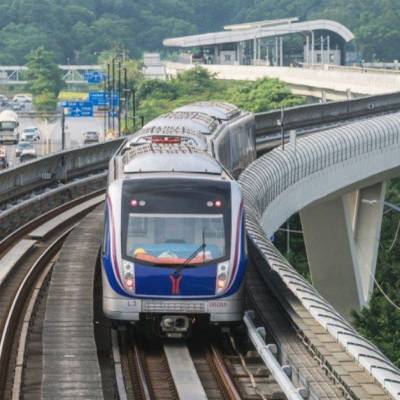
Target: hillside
<point x="77" y="32"/>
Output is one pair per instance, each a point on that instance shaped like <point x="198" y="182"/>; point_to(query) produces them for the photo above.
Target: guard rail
<point x="313" y="115"/>
<point x="51" y="170"/>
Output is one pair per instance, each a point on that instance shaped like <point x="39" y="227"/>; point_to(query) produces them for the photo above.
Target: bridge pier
<point x="342" y="241"/>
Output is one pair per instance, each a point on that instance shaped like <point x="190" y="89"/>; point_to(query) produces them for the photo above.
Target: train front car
<point x="174" y="249"/>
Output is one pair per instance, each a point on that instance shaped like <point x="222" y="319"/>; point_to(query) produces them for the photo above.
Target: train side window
<point x="224" y="151"/>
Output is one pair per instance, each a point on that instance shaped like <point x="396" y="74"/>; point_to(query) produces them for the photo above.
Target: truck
<point x="9" y="125"/>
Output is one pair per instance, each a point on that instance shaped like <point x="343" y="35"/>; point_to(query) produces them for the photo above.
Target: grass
<point x="65" y="96"/>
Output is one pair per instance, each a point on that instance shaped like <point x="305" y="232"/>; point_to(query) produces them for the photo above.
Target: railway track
<point x="208" y="366"/>
<point x="27" y="257"/>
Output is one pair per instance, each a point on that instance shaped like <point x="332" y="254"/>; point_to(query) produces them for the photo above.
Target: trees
<point x="45" y="79"/>
<point x="77" y="31"/>
<point x="197" y="84"/>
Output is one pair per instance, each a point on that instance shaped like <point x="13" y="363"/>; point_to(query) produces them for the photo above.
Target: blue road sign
<point x="94" y="77"/>
<point x="103" y="98"/>
<point x="78" y="108"/>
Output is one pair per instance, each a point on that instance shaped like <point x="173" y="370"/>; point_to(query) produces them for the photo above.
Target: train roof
<point x="216" y="109"/>
<point x="164" y="158"/>
<point x="179" y="134"/>
<point x="196" y="121"/>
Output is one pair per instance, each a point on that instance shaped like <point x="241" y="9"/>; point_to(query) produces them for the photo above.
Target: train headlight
<point x="222" y="277"/>
<point x="128" y="275"/>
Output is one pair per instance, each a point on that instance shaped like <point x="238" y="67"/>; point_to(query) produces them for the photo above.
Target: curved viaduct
<point x="336" y="180"/>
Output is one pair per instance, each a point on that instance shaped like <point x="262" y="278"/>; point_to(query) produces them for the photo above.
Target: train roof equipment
<point x="197" y="121"/>
<point x="216" y="109"/>
<point x="164" y="158"/>
<point x="168" y="135"/>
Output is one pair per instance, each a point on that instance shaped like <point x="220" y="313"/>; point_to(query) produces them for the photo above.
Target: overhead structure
<point x="262" y="43"/>
<point x="71" y="74"/>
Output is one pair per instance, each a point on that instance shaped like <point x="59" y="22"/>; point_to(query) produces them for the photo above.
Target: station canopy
<point x="262" y="29"/>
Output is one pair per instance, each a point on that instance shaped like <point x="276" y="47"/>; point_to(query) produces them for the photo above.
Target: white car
<point x="30" y="134"/>
<point x="22" y="98"/>
<point x="25" y="149"/>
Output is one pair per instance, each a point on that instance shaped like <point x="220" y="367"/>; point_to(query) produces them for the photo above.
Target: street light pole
<point x="119" y="97"/>
<point x="105" y="111"/>
<point x="126" y="93"/>
<point x="134" y="107"/>
<point x="109" y="96"/>
<point x="63" y="130"/>
<point x="112" y="94"/>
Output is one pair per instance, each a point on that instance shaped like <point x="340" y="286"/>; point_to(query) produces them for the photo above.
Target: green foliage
<point x="43" y="73"/>
<point x="46" y="101"/>
<point x="262" y="95"/>
<point x="79" y="32"/>
<point x="45" y="79"/>
<point x="156" y="97"/>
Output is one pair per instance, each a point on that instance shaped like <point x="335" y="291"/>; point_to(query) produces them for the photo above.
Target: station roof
<point x="262" y="29"/>
<point x="260" y="24"/>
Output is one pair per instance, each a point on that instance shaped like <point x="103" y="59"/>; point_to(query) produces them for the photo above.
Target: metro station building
<point x="273" y="43"/>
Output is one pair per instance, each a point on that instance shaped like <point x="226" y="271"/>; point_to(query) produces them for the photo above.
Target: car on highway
<point x="27" y="157"/>
<point x="91" y="137"/>
<point x="25" y="149"/>
<point x="17" y="106"/>
<point x="3" y="158"/>
<point x="30" y="134"/>
<point x="22" y="98"/>
<point x="3" y="100"/>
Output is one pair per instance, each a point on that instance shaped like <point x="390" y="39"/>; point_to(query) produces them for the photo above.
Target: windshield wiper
<point x="182" y="266"/>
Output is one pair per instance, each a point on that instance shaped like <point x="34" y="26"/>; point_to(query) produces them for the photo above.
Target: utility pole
<point x="134" y="108"/>
<point x="105" y="110"/>
<point x="63" y="130"/>
<point x="119" y="97"/>
<point x="126" y="93"/>
<point x="108" y="94"/>
<point x="112" y="94"/>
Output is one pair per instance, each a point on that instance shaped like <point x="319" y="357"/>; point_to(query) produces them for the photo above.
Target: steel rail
<point x="220" y="367"/>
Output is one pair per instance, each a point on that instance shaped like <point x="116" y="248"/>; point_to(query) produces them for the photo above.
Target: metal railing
<point x="313" y="115"/>
<point x="267" y="180"/>
<point x="381" y="70"/>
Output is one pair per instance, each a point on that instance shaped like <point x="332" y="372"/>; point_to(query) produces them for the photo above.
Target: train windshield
<point x="175" y="222"/>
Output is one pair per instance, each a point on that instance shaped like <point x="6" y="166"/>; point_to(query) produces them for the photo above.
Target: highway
<point x="75" y="127"/>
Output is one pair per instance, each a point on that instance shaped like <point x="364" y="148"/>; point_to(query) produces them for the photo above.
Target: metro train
<point x="174" y="252"/>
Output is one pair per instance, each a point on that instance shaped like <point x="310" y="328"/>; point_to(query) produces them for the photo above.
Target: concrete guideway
<point x="335" y="83"/>
<point x="70" y="363"/>
<point x="183" y="371"/>
<point x="326" y="177"/>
